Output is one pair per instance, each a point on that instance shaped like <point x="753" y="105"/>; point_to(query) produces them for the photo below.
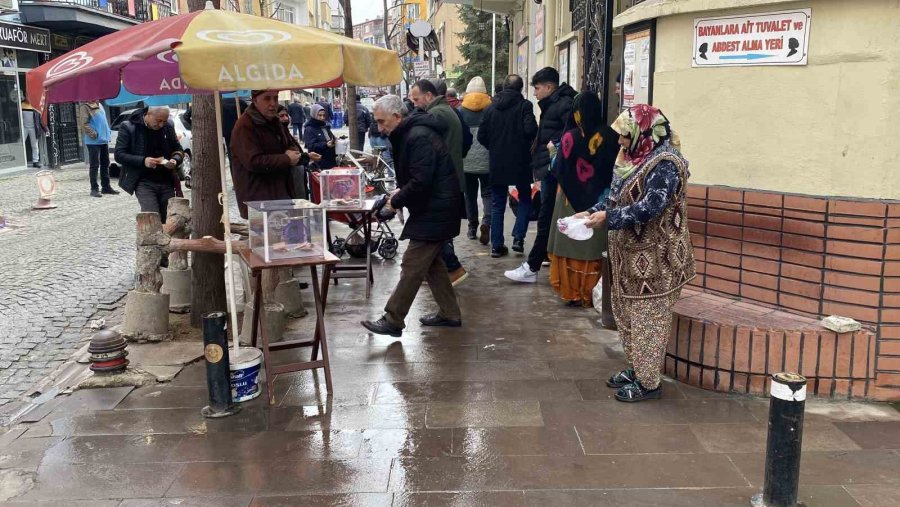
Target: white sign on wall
<point x="774" y="38"/>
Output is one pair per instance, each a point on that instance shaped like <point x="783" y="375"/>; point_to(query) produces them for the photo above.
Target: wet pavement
<point x="509" y="410"/>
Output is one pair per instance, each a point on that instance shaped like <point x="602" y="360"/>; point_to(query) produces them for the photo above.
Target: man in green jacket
<point x="424" y="95"/>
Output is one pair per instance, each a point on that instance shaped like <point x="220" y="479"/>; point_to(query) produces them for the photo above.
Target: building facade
<point x="444" y="17"/>
<point x="51" y="28"/>
<point x="799" y="211"/>
<point x="370" y="32"/>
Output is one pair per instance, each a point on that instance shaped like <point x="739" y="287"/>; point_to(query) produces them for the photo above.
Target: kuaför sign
<point x="774" y="38"/>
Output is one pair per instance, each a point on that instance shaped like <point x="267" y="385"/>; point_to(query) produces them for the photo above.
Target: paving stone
<point x="55" y="301"/>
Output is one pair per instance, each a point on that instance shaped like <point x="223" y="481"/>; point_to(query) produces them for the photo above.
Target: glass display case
<point x="286" y="229"/>
<point x="342" y="188"/>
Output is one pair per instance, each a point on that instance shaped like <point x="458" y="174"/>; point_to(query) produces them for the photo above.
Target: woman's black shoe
<point x="622" y="379"/>
<point x="499" y="252"/>
<point x="633" y="393"/>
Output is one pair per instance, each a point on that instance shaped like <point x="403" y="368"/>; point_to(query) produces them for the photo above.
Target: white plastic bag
<point x="597" y="296"/>
<point x="575" y="228"/>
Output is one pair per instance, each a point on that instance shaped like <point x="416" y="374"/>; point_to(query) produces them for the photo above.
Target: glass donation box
<point x="286" y="229"/>
<point x="342" y="188"/>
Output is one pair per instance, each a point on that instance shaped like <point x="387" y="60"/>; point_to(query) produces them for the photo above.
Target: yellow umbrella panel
<point x="227" y="51"/>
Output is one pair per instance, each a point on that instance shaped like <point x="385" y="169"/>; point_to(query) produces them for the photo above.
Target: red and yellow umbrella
<point x="209" y="51"/>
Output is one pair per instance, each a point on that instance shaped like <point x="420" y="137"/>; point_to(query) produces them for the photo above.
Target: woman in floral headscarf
<point x="584" y="169"/>
<point x="649" y="245"/>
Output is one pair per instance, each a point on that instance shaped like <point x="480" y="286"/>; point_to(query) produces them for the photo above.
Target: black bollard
<point x="218" y="373"/>
<point x="786" y="405"/>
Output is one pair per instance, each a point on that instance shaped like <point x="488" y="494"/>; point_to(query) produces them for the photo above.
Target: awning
<point x="72" y="19"/>
<point x="496" y="6"/>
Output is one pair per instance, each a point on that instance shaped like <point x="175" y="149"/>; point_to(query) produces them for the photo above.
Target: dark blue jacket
<point x="316" y="135"/>
<point x="295" y="110"/>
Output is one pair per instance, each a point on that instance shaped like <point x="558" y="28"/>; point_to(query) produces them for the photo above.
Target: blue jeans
<point x="498" y="209"/>
<point x="298" y="129"/>
<point x="448" y="255"/>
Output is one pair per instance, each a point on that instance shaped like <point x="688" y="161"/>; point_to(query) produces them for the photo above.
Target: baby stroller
<point x="382" y="238"/>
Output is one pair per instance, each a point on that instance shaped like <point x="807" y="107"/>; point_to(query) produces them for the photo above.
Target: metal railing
<point x="143" y="9"/>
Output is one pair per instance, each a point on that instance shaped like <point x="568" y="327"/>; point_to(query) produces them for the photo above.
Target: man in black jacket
<point x="555" y="101"/>
<point x="507" y="131"/>
<point x="363" y="122"/>
<point x="429" y="189"/>
<point x="298" y="116"/>
<point x="149" y="152"/>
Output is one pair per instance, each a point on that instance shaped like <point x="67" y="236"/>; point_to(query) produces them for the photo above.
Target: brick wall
<point x="807" y="255"/>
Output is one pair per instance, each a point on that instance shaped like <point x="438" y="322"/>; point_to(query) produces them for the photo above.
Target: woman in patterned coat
<point x="650" y="247"/>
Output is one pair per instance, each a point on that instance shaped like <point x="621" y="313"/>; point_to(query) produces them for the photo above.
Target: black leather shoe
<point x="110" y="191"/>
<point x="435" y="320"/>
<point x="633" y="393"/>
<point x="96" y="193"/>
<point x="518" y="245"/>
<point x="499" y="252"/>
<point x="382" y="326"/>
<point x="473" y="232"/>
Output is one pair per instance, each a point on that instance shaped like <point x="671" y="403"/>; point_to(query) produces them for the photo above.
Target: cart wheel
<point x="338" y="247"/>
<point x="388" y="248"/>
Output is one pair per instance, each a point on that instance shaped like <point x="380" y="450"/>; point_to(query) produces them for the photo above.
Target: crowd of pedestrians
<point x="625" y="182"/>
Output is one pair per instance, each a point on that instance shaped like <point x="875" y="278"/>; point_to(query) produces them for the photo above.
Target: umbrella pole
<point x="226" y="221"/>
<point x="237" y="104"/>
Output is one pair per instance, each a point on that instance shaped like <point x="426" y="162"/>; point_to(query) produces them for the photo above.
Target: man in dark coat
<point x="264" y="153"/>
<point x="507" y="131"/>
<point x="264" y="158"/>
<point x="363" y="122"/>
<point x="298" y="116"/>
<point x="429" y="189"/>
<point x="429" y="96"/>
<point x="555" y="101"/>
<point x="148" y="150"/>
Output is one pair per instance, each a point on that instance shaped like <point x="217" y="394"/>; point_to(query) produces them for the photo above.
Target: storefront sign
<point x="62" y="42"/>
<point x="421" y="69"/>
<point x="775" y="38"/>
<point x="539" y="29"/>
<point x="24" y="37"/>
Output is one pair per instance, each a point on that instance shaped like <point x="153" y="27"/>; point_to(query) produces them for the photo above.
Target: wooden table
<point x="320" y="293"/>
<point x="351" y="271"/>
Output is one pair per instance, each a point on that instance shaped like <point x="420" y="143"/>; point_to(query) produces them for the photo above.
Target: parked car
<point x="182" y="130"/>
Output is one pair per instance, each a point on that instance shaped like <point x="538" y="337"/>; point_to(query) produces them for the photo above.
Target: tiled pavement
<point x="510" y="410"/>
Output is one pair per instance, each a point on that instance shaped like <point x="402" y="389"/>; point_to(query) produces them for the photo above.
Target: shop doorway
<point x="12" y="150"/>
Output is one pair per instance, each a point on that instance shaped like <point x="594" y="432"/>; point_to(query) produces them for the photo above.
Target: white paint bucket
<point x="245" y="370"/>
